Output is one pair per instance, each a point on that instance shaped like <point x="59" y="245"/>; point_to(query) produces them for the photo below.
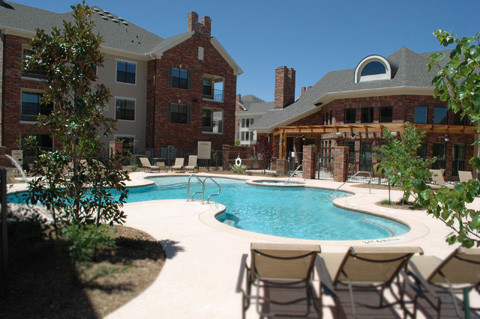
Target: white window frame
<point x="116" y="70"/>
<point x="33" y="91"/>
<point x="135" y="108"/>
<point x="366" y="78"/>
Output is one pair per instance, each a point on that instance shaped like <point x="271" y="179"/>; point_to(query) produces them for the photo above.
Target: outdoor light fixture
<point x="353" y="135"/>
<point x="446" y="137"/>
<point x="338" y="134"/>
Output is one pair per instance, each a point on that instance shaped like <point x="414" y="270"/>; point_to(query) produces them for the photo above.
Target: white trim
<point x="373" y="77"/>
<point x="126" y="61"/>
<point x="236" y="69"/>
<point x="159" y="53"/>
<point x="135" y="108"/>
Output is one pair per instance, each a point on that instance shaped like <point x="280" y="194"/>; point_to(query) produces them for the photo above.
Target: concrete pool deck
<point x="200" y="274"/>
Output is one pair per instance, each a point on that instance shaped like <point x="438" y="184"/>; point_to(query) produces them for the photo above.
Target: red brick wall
<point x="159" y="132"/>
<point x="14" y="84"/>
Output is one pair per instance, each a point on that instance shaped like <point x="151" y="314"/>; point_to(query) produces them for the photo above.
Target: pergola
<point x="280" y="134"/>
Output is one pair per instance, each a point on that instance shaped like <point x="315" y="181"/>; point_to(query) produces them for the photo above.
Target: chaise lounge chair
<point x="365" y="269"/>
<point x="437" y="179"/>
<point x="279" y="280"/>
<point x="192" y="163"/>
<point x="464" y="176"/>
<point x="179" y="162"/>
<point x="146" y="164"/>
<point x="433" y="278"/>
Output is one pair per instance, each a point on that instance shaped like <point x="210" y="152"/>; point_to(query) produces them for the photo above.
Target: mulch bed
<point x="43" y="283"/>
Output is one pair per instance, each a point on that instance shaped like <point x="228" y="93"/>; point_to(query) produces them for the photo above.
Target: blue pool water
<point x="299" y="212"/>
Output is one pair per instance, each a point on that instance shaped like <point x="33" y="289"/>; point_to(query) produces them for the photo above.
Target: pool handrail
<point x="203" y="188"/>
<point x="188" y="189"/>
<point x="363" y="172"/>
<point x="219" y="189"/>
<point x="295" y="171"/>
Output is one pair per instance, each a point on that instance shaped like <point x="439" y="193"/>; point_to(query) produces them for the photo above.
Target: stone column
<point x="340" y="156"/>
<point x="282" y="166"/>
<point x="114" y="148"/>
<point x="308" y="162"/>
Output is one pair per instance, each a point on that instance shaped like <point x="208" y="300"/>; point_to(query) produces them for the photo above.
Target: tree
<point x="400" y="163"/>
<point x="265" y="149"/>
<point x="458" y="82"/>
<point x="72" y="182"/>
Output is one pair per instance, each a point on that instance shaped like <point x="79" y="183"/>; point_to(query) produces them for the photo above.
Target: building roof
<point x="118" y="34"/>
<point x="411" y="77"/>
<point x="254" y="106"/>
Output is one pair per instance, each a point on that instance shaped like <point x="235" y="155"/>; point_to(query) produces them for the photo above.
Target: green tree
<point x="399" y="162"/>
<point x="72" y="182"/>
<point x="458" y="82"/>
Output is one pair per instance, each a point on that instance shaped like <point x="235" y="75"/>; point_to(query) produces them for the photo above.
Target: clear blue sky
<point x="312" y="36"/>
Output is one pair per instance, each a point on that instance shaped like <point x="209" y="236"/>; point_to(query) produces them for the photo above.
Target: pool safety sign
<point x="204" y="150"/>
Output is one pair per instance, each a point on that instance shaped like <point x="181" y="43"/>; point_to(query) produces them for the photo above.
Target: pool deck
<point x="200" y="275"/>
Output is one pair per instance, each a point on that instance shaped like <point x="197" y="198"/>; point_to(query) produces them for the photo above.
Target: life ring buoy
<point x="238" y="161"/>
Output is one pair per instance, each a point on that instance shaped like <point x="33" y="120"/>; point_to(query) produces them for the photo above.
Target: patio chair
<point x="146" y="164"/>
<point x="161" y="166"/>
<point x="437" y="179"/>
<point x="464" y="176"/>
<point x="434" y="277"/>
<point x="192" y="163"/>
<point x="279" y="280"/>
<point x="179" y="163"/>
<point x="364" y="269"/>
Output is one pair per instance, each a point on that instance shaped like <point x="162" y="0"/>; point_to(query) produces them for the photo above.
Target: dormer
<point x="373" y="68"/>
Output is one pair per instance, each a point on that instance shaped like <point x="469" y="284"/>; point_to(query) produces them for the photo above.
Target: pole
<point x="466" y="302"/>
<point x="3" y="201"/>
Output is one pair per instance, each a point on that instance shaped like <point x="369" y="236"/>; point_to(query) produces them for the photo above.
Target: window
<point x="420" y="114"/>
<point x="373" y="68"/>
<point x="212" y="121"/>
<point x="458" y="158"/>
<point x="125" y="109"/>
<point x="126" y="72"/>
<point x="178" y="113"/>
<point x="213" y="88"/>
<point x="351" y="151"/>
<point x="179" y="78"/>
<point x="367" y="114"/>
<point x="36" y="74"/>
<point x="422" y="150"/>
<point x="439" y="153"/>
<point x="350" y="115"/>
<point x="440" y="116"/>
<point x="386" y="114"/>
<point x="32" y="107"/>
<point x="128" y="144"/>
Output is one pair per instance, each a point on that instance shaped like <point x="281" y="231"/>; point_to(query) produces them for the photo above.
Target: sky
<point x="312" y="36"/>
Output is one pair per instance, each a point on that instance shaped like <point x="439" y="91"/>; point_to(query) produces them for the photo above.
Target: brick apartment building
<point x="350" y="108"/>
<point x="169" y="92"/>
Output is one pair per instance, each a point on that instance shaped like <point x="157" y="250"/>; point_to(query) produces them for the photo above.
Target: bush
<point x="238" y="169"/>
<point x="83" y="241"/>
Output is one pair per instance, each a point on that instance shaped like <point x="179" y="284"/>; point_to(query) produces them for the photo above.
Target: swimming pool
<point x="298" y="212"/>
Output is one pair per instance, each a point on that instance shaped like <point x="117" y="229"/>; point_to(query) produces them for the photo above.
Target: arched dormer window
<point x="374" y="67"/>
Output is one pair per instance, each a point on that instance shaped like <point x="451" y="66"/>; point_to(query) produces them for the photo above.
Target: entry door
<point x="366" y="156"/>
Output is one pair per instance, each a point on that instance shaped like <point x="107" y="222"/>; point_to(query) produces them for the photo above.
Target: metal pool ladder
<point x="203" y="188"/>
<point x="363" y="172"/>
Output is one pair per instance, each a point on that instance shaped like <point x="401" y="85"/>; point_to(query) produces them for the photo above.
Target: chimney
<point x="309" y="88"/>
<point x="284" y="87"/>
<point x="203" y="28"/>
<point x="239" y="98"/>
<point x="304" y="89"/>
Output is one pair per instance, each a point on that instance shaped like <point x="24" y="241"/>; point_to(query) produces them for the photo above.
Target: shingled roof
<point x="411" y="76"/>
<point x="117" y="33"/>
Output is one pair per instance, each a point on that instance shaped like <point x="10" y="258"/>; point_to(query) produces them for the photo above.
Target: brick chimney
<point x="203" y="28"/>
<point x="284" y="87"/>
<point x="304" y="89"/>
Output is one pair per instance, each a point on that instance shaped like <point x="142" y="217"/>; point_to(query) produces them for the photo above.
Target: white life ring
<point x="238" y="161"/>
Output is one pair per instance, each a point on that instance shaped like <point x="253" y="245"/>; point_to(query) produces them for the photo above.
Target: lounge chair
<point x="366" y="269"/>
<point x="192" y="163"/>
<point x="179" y="162"/>
<point x="282" y="277"/>
<point x="146" y="164"/>
<point x="161" y="166"/>
<point x="434" y="277"/>
<point x="437" y="179"/>
<point x="464" y="176"/>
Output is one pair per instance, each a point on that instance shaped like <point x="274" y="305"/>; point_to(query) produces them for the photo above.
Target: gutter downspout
<point x="2" y="80"/>
<point x="154" y="99"/>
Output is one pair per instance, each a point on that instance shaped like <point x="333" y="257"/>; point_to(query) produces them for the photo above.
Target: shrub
<point x="238" y="169"/>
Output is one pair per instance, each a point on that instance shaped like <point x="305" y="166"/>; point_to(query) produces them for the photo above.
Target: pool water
<point x="299" y="212"/>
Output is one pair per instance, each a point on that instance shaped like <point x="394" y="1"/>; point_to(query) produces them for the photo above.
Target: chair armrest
<point x="418" y="281"/>
<point x="243" y="270"/>
<point x="324" y="277"/>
